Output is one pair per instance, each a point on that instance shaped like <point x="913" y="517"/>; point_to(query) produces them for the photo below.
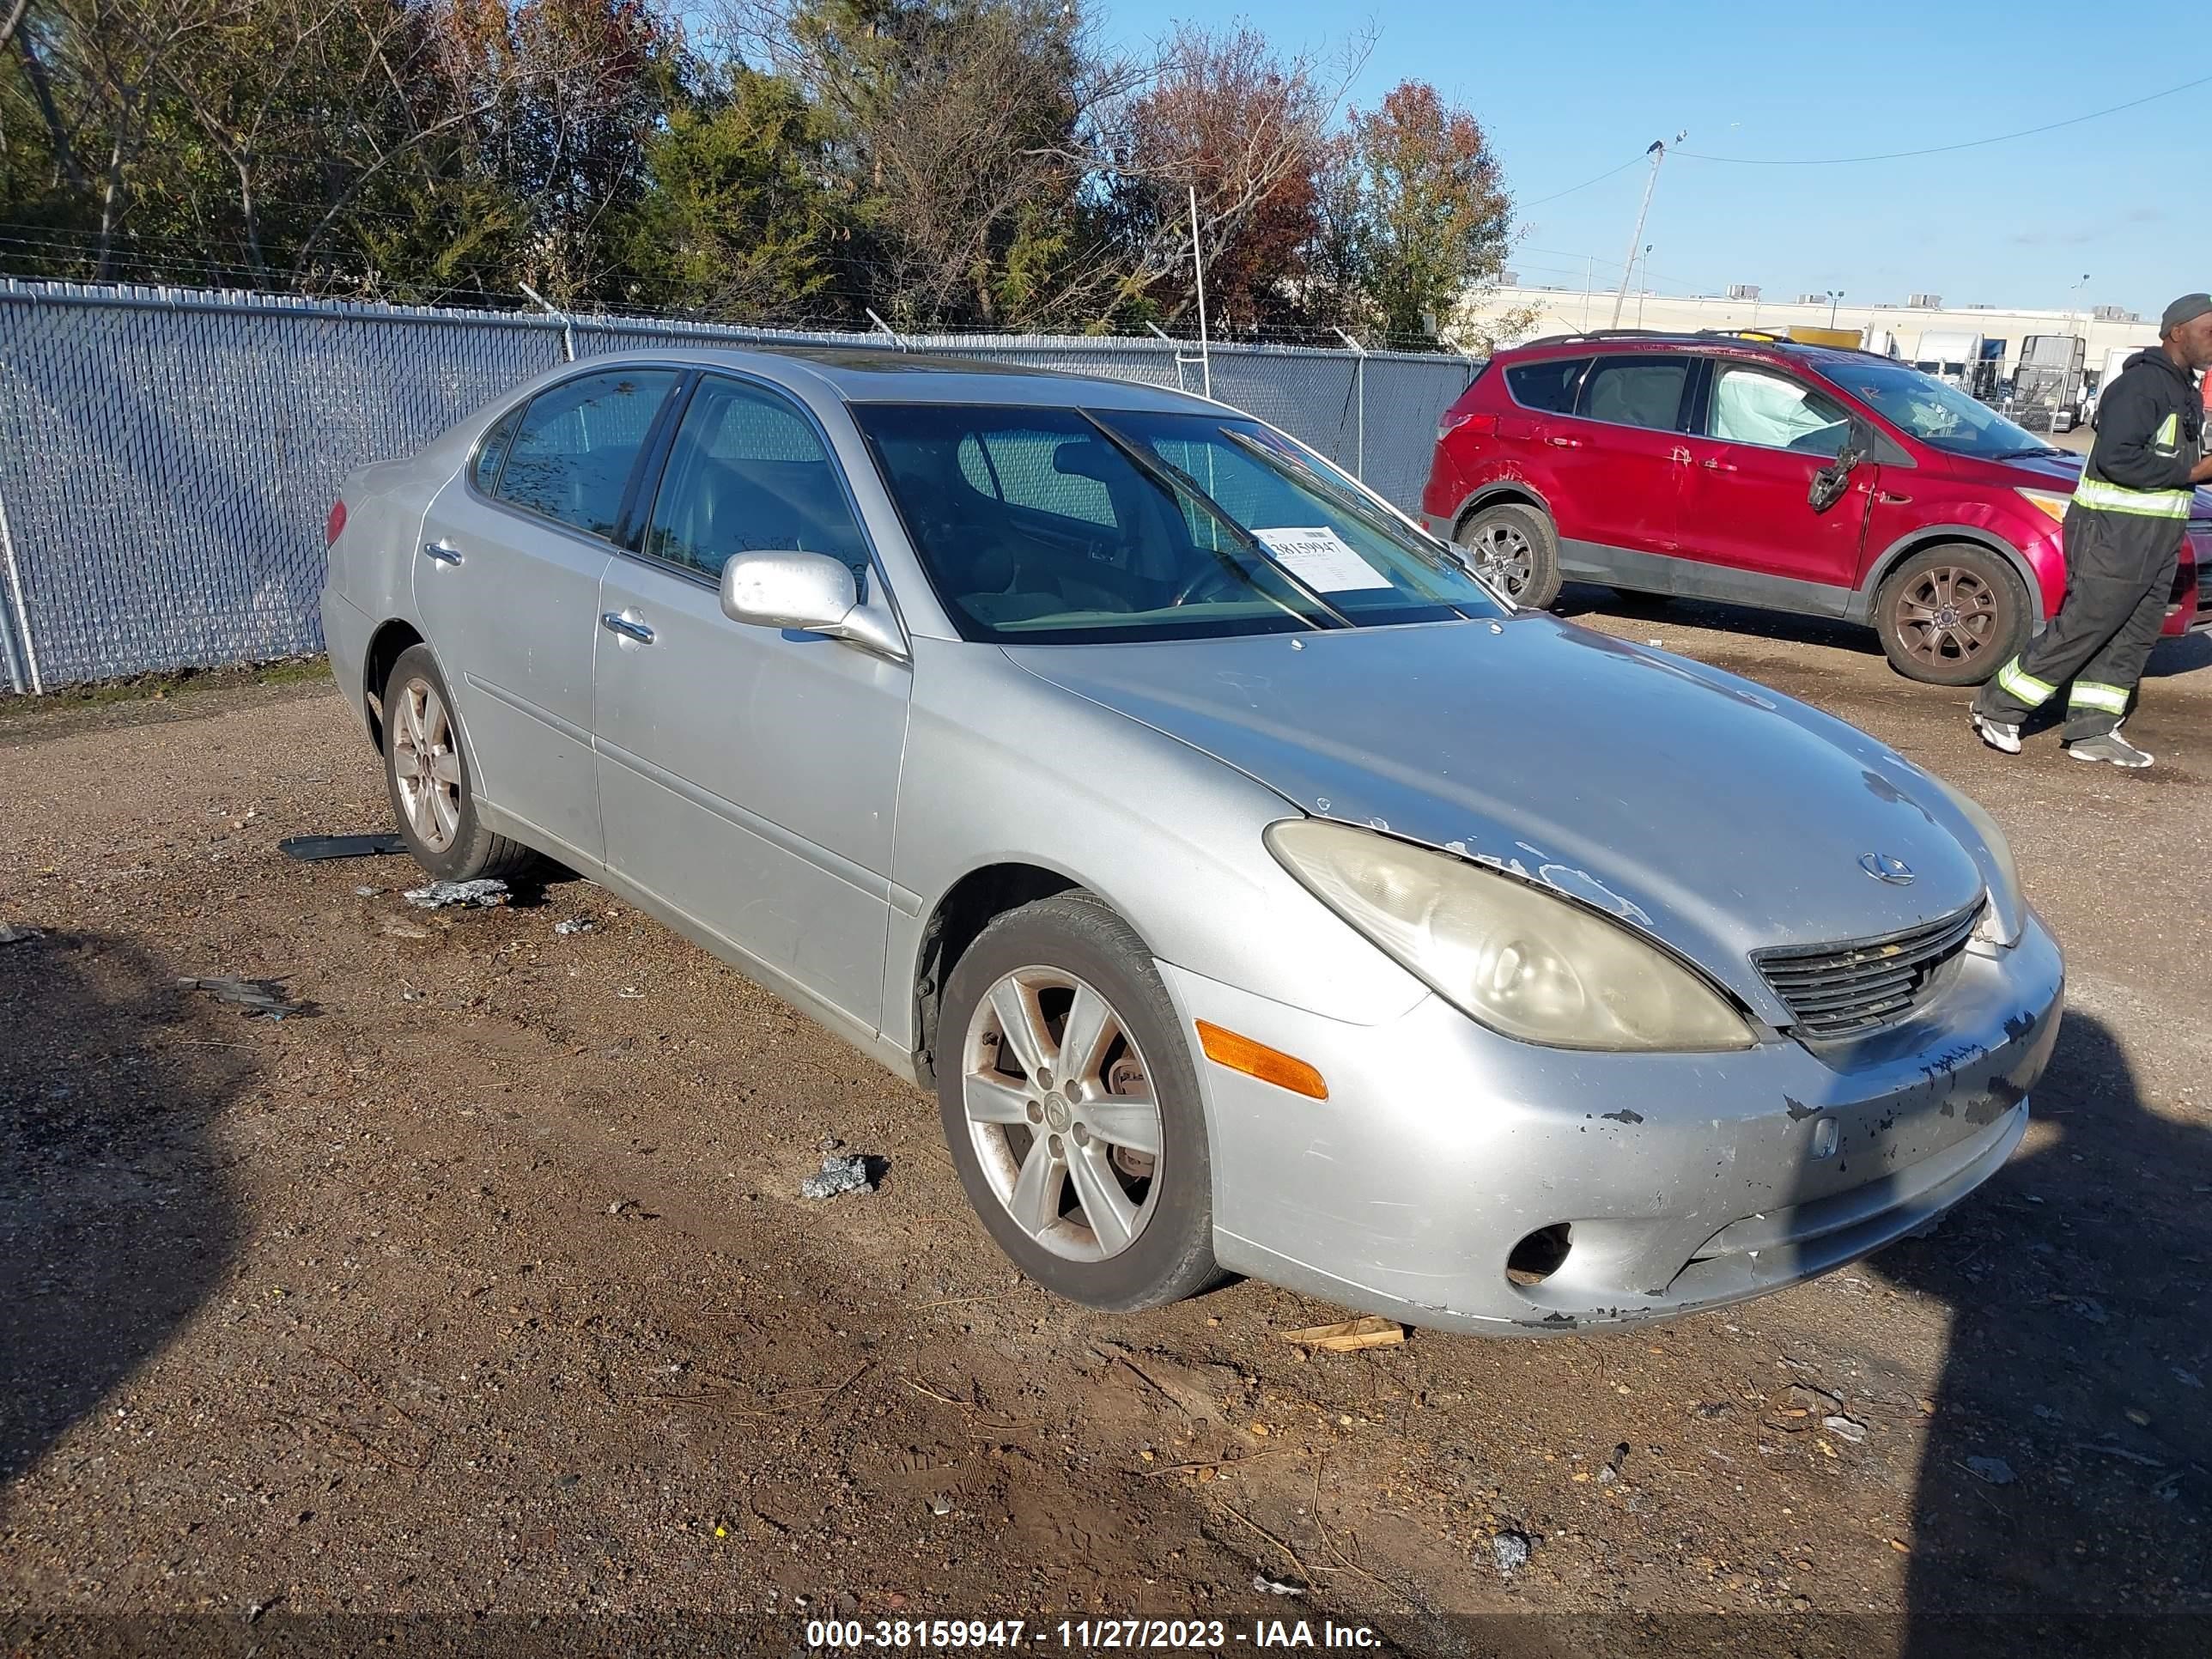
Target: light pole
<point x="1835" y="299"/>
<point x="1643" y="285"/>
<point x="1658" y="154"/>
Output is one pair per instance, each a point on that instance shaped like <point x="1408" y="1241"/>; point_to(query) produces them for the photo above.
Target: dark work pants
<point x="2119" y="577"/>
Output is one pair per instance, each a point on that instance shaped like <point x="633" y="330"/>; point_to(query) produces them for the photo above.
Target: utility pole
<point x="1198" y="277"/>
<point x="1658" y="154"/>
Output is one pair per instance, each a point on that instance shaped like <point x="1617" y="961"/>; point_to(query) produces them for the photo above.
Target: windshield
<point x="1934" y="413"/>
<point x="1062" y="525"/>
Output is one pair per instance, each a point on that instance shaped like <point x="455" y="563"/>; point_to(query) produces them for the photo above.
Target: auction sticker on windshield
<point x="1321" y="559"/>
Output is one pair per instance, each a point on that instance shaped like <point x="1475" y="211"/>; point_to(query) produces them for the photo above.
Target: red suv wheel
<point x="1952" y="615"/>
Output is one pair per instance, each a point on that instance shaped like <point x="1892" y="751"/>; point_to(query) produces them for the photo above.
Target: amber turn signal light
<point x="1241" y="1053"/>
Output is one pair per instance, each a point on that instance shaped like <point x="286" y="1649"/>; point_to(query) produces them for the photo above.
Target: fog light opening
<point x="1539" y="1256"/>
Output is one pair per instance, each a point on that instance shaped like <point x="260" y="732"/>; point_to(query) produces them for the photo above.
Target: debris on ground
<point x="1267" y="1586"/>
<point x="1995" y="1470"/>
<point x="2188" y="1379"/>
<point x="1845" y="1428"/>
<point x="573" y="925"/>
<point x="260" y="998"/>
<point x="630" y="993"/>
<point x="827" y="1144"/>
<point x="849" y="1173"/>
<point x="312" y="849"/>
<point x="1349" y="1336"/>
<point x="368" y="892"/>
<point x="10" y="935"/>
<point x="485" y="891"/>
<point x="941" y="1504"/>
<point x="1510" y="1549"/>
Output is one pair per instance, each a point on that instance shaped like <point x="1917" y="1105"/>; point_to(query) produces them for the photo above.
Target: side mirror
<point x="1830" y="482"/>
<point x="810" y="592"/>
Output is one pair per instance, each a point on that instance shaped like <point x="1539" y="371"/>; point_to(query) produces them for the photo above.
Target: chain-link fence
<point x="167" y="457"/>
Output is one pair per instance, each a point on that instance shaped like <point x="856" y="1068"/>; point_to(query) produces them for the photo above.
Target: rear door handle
<point x="1890" y="498"/>
<point x="1711" y="465"/>
<point x="443" y="552"/>
<point x="615" y="623"/>
<point x="1565" y="443"/>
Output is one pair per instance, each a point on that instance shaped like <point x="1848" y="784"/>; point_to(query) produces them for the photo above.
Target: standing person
<point x="2123" y="539"/>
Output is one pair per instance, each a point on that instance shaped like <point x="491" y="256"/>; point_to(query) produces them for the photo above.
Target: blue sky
<point x="1568" y="91"/>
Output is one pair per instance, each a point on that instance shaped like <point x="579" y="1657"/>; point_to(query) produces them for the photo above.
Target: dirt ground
<point x="481" y="1290"/>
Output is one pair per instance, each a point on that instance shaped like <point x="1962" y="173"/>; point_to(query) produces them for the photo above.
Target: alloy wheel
<point x="428" y="765"/>
<point x="1061" y="1113"/>
<point x="1503" y="555"/>
<point x="1947" y="614"/>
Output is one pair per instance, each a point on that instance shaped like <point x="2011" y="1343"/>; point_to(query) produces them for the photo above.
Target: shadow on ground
<point x="2064" y="1502"/>
<point x="116" y="1221"/>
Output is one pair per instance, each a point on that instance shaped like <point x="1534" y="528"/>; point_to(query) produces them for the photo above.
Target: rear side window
<point x="1546" y="387"/>
<point x="572" y="453"/>
<point x="493" y="449"/>
<point x="1641" y="391"/>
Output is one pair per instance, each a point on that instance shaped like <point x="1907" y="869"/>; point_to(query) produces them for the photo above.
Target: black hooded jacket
<point x="2136" y="449"/>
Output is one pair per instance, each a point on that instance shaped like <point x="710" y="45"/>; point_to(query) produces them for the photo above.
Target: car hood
<point x="1719" y="816"/>
<point x="2062" y="469"/>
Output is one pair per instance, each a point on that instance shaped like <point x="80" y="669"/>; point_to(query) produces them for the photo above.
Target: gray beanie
<point x="2187" y="309"/>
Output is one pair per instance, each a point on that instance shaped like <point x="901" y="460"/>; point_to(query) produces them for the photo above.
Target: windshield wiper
<point x="2039" y="449"/>
<point x="1167" y="476"/>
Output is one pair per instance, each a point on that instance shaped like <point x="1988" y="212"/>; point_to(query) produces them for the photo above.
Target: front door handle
<point x="1565" y="443"/>
<point x="1891" y="498"/>
<point x="442" y="552"/>
<point x="615" y="623"/>
<point x="1713" y="465"/>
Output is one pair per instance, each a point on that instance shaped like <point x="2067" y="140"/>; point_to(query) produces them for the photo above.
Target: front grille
<point x="1849" y="989"/>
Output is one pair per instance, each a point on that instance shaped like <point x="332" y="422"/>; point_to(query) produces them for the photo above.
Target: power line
<point x="1946" y="150"/>
<point x="1585" y="184"/>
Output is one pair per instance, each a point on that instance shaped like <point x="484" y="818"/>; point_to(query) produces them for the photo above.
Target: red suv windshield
<point x="1938" y="414"/>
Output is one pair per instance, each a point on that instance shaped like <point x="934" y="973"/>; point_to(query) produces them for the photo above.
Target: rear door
<point x="1616" y="466"/>
<point x="506" y="586"/>
<point x="1762" y="435"/>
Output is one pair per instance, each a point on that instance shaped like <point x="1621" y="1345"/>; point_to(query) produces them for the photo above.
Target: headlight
<point x="1522" y="961"/>
<point x="2007" y="913"/>
<point x="2051" y="502"/>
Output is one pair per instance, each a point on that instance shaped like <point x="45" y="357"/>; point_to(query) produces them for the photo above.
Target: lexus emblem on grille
<point x="1883" y="868"/>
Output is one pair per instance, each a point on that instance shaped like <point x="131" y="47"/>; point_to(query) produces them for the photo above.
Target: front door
<point x="506" y="585"/>
<point x="1615" y="466"/>
<point x="749" y="777"/>
<point x="1746" y="501"/>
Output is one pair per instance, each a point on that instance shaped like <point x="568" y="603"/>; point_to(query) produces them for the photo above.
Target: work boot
<point x="2111" y="747"/>
<point x="2005" y="739"/>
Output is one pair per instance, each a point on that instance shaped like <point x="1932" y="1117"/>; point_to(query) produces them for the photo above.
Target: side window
<point x="1775" y="411"/>
<point x="572" y="453"/>
<point x="1642" y="390"/>
<point x="491" y="449"/>
<point x="1546" y="387"/>
<point x="1050" y="472"/>
<point x="749" y="473"/>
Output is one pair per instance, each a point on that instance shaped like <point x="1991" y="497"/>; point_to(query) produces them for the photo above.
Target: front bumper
<point x="1685" y="1182"/>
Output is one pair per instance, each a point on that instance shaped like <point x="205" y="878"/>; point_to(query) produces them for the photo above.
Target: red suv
<point x="1750" y="469"/>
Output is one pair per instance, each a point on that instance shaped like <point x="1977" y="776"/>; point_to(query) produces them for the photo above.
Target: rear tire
<point x="1517" y="549"/>
<point x="1952" y="615"/>
<point x="426" y="772"/>
<point x="1095" y="1179"/>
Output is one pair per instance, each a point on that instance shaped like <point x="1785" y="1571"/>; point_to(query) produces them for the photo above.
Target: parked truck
<point x="1951" y="357"/>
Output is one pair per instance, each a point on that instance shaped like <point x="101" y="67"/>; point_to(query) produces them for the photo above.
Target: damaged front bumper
<point x="1674" y="1182"/>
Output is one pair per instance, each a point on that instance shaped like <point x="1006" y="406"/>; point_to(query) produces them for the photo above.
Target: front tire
<point x="1952" y="615"/>
<point x="1071" y="1106"/>
<point x="426" y="772"/>
<point x="1517" y="549"/>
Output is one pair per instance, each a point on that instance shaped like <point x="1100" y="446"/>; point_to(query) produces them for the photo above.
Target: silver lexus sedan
<point x="1256" y="889"/>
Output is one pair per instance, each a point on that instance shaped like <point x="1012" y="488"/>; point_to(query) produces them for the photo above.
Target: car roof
<point x="859" y="375"/>
<point x="1750" y="340"/>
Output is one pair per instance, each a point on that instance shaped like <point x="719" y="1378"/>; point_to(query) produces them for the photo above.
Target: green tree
<point x="742" y="219"/>
<point x="1417" y="213"/>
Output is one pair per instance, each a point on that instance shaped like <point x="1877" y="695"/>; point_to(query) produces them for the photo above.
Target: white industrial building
<point x="1896" y="328"/>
